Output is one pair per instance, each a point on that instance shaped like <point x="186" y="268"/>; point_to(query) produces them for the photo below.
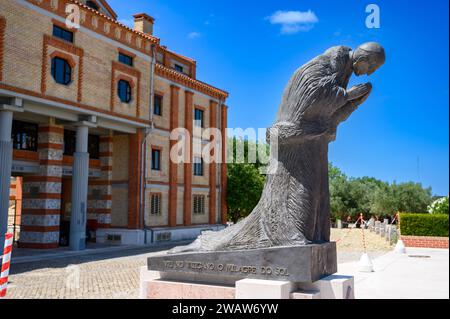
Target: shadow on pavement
<point x="63" y="260"/>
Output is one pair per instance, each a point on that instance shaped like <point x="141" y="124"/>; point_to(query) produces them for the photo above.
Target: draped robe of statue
<point x="294" y="208"/>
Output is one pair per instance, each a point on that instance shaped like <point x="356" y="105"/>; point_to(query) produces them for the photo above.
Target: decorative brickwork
<point x="187" y="81"/>
<point x="173" y="167"/>
<point x="42" y="193"/>
<point x="223" y="172"/>
<point x="2" y="44"/>
<point x="188" y="121"/>
<point x="425" y="241"/>
<point x="100" y="190"/>
<point x="68" y="48"/>
<point x="134" y="184"/>
<point x="212" y="166"/>
<point x="132" y="76"/>
<point x="15" y="194"/>
<point x="102" y="20"/>
<point x="93" y="91"/>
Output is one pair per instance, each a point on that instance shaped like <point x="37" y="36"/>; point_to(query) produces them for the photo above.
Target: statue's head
<point x="367" y="58"/>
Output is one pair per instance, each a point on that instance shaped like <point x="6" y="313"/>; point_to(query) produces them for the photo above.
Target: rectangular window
<point x="157" y="105"/>
<point x="198" y="166"/>
<point x="156" y="160"/>
<point x="198" y="117"/>
<point x="199" y="204"/>
<point x="62" y="33"/>
<point x="178" y="68"/>
<point x="70" y="141"/>
<point x="94" y="146"/>
<point x="125" y="59"/>
<point x="24" y="136"/>
<point x="155" y="205"/>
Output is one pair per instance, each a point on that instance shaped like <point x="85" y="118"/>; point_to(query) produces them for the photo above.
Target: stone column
<point x="42" y="193"/>
<point x="79" y="189"/>
<point x="6" y="118"/>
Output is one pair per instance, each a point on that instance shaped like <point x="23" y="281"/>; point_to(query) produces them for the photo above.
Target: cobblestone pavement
<point x="115" y="275"/>
<point x="108" y="276"/>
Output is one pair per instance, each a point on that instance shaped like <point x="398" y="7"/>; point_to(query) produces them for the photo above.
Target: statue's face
<point x="367" y="64"/>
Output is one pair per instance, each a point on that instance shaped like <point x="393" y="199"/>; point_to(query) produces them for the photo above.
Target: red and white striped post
<point x="6" y="261"/>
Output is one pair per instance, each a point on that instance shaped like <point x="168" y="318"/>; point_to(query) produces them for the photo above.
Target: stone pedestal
<point x="307" y="263"/>
<point x="332" y="287"/>
<point x="263" y="289"/>
<point x="297" y="272"/>
<point x="158" y="285"/>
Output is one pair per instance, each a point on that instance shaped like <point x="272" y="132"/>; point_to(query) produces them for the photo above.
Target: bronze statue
<point x="294" y="209"/>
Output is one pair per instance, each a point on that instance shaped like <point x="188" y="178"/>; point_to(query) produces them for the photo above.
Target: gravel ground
<point x="116" y="274"/>
<point x="350" y="244"/>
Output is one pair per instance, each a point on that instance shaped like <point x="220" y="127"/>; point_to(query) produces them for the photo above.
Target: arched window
<point x="124" y="91"/>
<point x="61" y="71"/>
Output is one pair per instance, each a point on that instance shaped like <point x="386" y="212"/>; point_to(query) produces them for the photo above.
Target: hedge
<point x="424" y="225"/>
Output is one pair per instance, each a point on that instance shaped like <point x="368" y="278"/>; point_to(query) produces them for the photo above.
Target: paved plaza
<point x="114" y="273"/>
<point x="421" y="273"/>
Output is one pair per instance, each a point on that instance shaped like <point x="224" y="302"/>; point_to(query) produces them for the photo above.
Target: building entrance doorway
<point x="66" y="208"/>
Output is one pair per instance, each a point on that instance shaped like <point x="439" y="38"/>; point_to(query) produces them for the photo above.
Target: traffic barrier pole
<point x="6" y="262"/>
<point x="365" y="263"/>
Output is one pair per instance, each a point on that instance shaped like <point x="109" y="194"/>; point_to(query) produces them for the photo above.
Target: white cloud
<point x="294" y="21"/>
<point x="210" y="19"/>
<point x="194" y="35"/>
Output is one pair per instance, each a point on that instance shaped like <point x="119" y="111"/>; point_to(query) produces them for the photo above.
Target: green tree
<point x="412" y="197"/>
<point x="439" y="206"/>
<point x="405" y="197"/>
<point x="383" y="201"/>
<point x="339" y="192"/>
<point x="245" y="181"/>
<point x="245" y="185"/>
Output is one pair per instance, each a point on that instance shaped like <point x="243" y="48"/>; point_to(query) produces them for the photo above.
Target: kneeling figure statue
<point x="294" y="209"/>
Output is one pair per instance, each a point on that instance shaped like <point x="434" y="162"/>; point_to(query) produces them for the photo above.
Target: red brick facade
<point x="173" y="167"/>
<point x="425" y="241"/>
<point x="121" y="179"/>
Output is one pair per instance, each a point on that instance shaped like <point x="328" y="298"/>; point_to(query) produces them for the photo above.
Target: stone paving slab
<point x="418" y="274"/>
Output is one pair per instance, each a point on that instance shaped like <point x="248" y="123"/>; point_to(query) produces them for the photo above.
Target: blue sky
<point x="401" y="132"/>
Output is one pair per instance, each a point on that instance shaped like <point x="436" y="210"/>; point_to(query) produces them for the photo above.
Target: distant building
<point x="68" y="92"/>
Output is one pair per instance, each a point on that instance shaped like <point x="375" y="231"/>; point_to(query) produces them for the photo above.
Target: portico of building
<point x="66" y="161"/>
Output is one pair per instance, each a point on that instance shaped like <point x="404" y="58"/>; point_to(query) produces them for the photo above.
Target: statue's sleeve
<point x="313" y="91"/>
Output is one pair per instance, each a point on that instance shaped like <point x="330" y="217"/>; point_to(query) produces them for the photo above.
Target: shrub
<point x="439" y="206"/>
<point x="424" y="225"/>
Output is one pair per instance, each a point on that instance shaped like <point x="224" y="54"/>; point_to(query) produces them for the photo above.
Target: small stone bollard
<point x="377" y="227"/>
<point x="393" y="235"/>
<point x="382" y="230"/>
<point x="388" y="233"/>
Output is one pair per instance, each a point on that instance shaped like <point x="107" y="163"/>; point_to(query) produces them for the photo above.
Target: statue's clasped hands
<point x="359" y="91"/>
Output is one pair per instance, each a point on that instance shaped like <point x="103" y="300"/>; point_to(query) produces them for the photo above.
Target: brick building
<point x="85" y="121"/>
